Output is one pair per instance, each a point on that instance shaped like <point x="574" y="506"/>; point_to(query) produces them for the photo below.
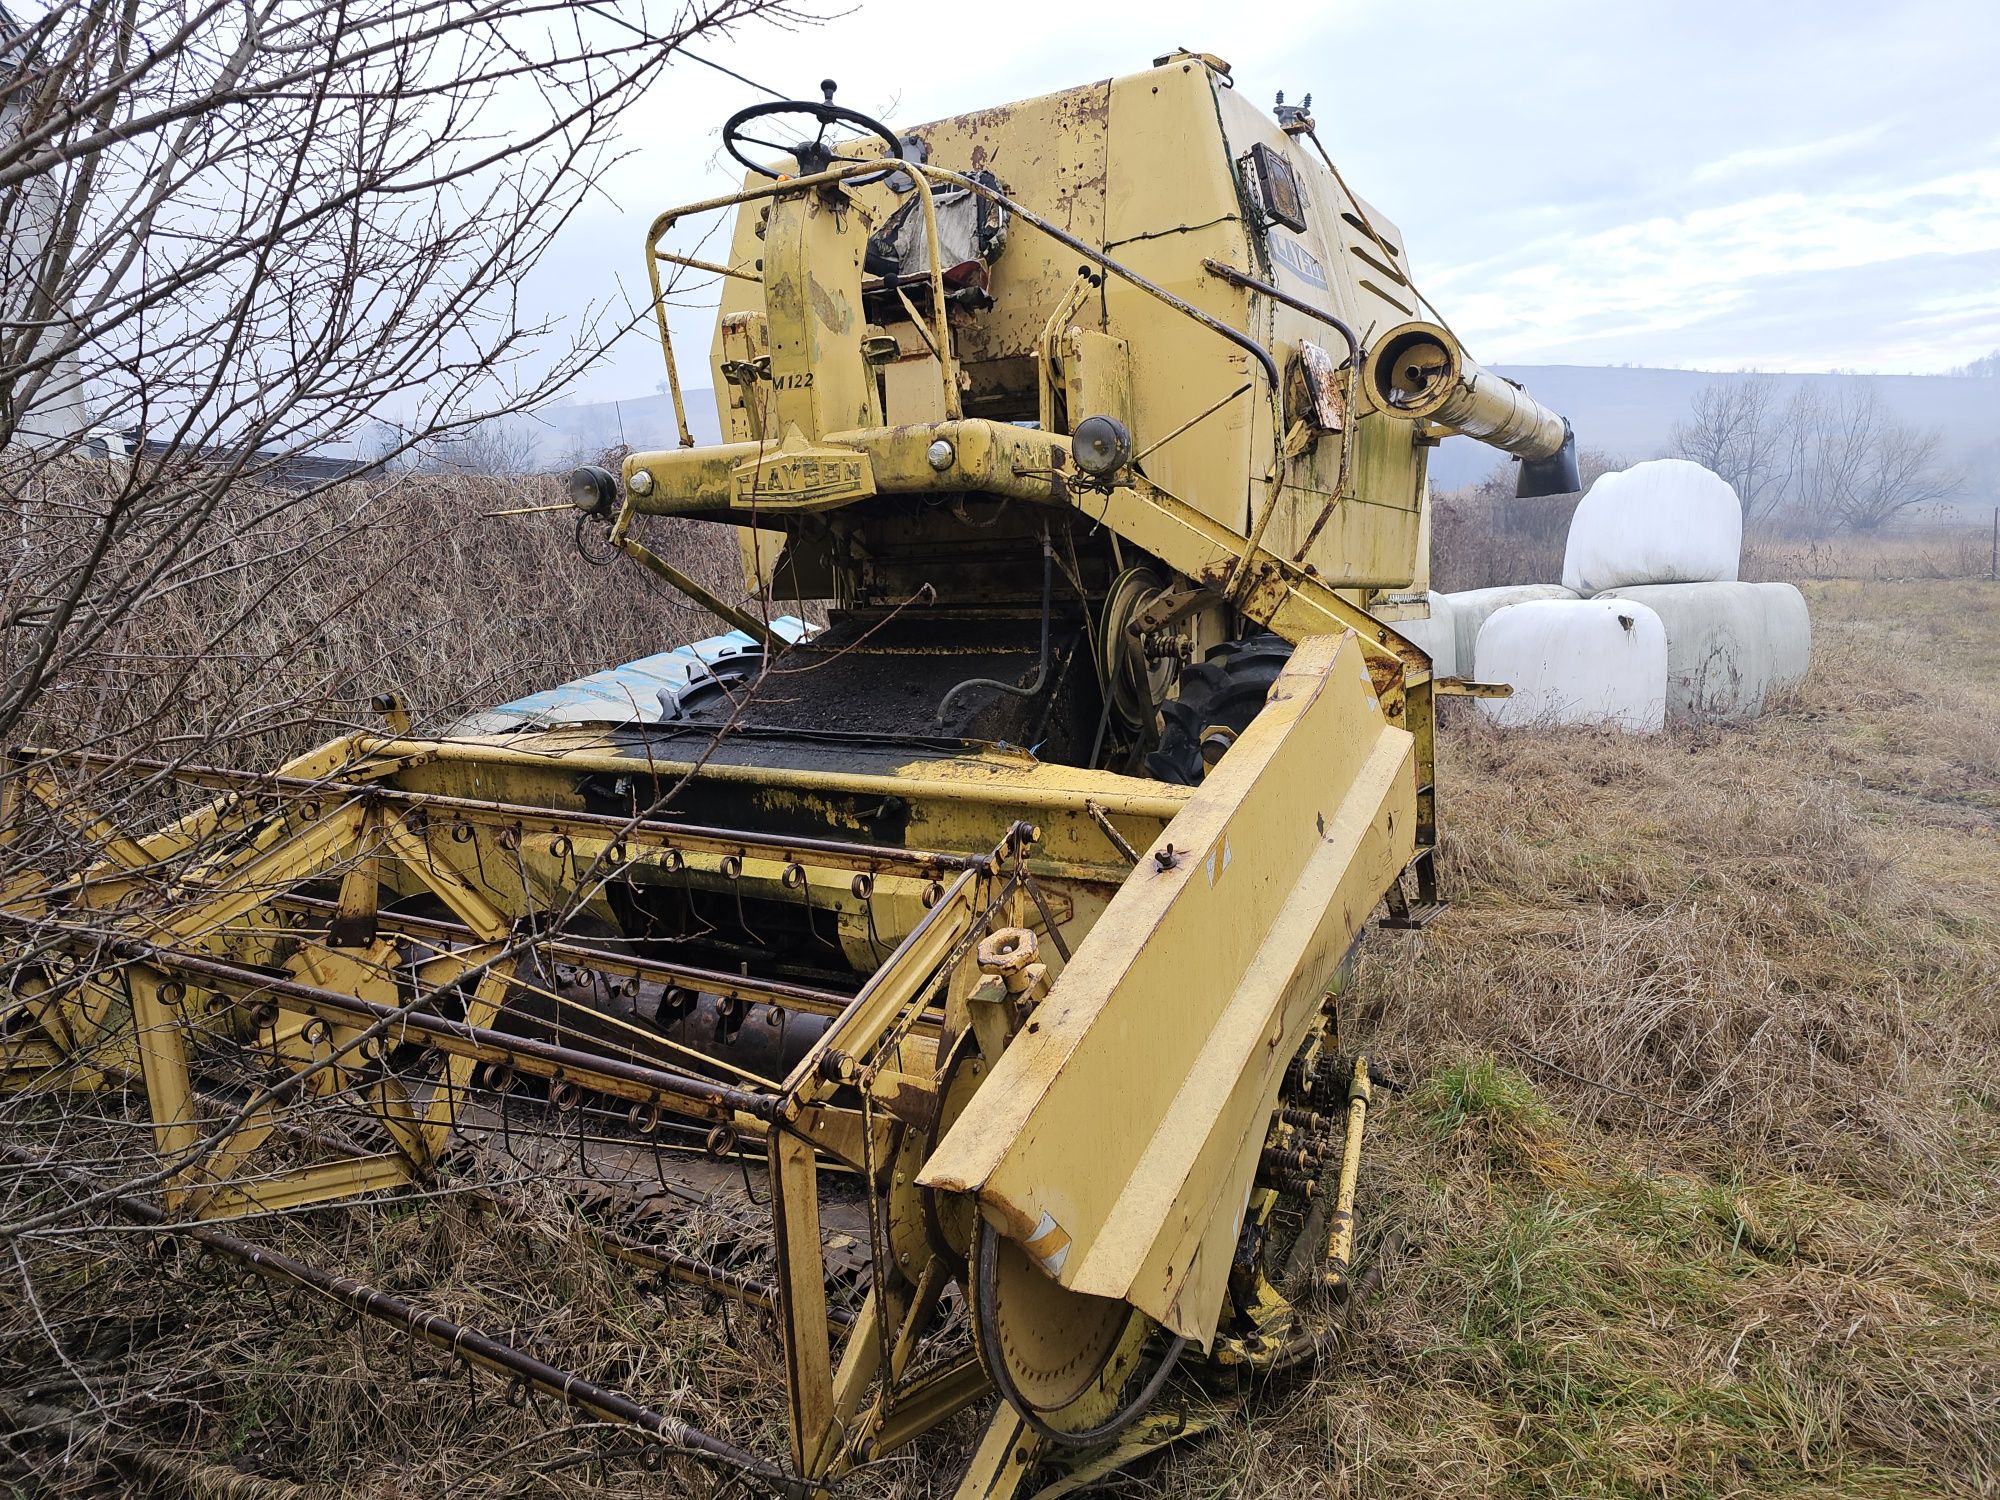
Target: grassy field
<point x="1699" y="1176"/>
<point x="1695" y="1183"/>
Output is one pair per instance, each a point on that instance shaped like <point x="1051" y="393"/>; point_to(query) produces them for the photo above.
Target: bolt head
<point x="941" y="455"/>
<point x="641" y="482"/>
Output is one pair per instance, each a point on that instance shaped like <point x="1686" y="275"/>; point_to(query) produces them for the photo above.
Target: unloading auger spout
<point x="1419" y="371"/>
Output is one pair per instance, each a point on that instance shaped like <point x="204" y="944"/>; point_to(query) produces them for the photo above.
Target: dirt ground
<point x="1695" y="1180"/>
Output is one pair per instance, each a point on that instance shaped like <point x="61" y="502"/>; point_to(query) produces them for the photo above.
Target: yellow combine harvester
<point x="1003" y="914"/>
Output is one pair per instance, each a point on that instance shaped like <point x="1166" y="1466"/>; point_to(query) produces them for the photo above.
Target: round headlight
<point x="593" y="490"/>
<point x="641" y="482"/>
<point x="940" y="455"/>
<point x="1101" y="445"/>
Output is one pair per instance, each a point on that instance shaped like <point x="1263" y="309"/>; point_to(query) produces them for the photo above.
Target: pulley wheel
<point x="1040" y="1343"/>
<point x="1054" y="1349"/>
<point x="1135" y="684"/>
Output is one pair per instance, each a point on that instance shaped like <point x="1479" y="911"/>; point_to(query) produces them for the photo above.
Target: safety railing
<point x="922" y="175"/>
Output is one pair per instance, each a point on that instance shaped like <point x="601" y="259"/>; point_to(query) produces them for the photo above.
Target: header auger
<point x="1002" y="920"/>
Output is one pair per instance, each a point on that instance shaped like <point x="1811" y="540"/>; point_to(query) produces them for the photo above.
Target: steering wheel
<point x="817" y="154"/>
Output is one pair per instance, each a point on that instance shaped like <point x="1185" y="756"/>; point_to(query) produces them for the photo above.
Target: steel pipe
<point x="1420" y="372"/>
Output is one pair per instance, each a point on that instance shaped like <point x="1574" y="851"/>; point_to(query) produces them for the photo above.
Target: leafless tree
<point x="1831" y="457"/>
<point x="245" y="231"/>
<point x="1872" y="466"/>
<point x="1733" y="428"/>
<point x="251" y="229"/>
<point x="493" y="447"/>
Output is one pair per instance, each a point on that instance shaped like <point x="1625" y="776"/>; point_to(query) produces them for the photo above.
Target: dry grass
<point x="277" y="641"/>
<point x="199" y="1357"/>
<point x="1916" y="552"/>
<point x="1698" y="1176"/>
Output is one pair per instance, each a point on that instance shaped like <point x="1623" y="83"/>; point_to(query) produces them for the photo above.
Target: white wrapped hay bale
<point x="1788" y="627"/>
<point x="1576" y="661"/>
<point x="1438" y="636"/>
<point x="1664" y="521"/>
<point x="1718" y="664"/>
<point x="1729" y="645"/>
<point x="1472" y="608"/>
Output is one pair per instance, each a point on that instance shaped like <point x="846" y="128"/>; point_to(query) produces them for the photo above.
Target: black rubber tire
<point x="1227" y="689"/>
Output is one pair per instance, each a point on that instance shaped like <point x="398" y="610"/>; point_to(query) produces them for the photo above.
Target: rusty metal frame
<point x="284" y="832"/>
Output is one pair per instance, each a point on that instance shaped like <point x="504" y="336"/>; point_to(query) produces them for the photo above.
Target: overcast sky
<point x="1760" y="183"/>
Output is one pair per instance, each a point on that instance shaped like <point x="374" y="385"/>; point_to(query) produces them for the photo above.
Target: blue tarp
<point x="619" y="695"/>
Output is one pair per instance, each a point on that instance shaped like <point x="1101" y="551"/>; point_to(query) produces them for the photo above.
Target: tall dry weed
<point x="417" y="585"/>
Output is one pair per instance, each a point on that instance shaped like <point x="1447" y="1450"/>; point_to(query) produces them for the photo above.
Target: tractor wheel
<point x="1216" y="702"/>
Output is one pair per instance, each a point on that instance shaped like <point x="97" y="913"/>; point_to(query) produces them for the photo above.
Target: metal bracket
<point x="1406" y="915"/>
<point x="1460" y="687"/>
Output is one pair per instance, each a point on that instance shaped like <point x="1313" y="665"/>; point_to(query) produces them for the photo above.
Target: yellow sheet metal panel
<point x="1049" y="154"/>
<point x="1097" y="376"/>
<point x="1334" y="262"/>
<point x="744" y="340"/>
<point x="1366" y="841"/>
<point x="813" y="243"/>
<point x="1348" y="261"/>
<point x="1172" y="202"/>
<point x="1182" y="1007"/>
<point x="1371" y="532"/>
<point x="910" y="383"/>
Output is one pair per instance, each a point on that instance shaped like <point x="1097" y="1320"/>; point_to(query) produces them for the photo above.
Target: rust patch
<point x="909" y="1101"/>
<point x="830" y="307"/>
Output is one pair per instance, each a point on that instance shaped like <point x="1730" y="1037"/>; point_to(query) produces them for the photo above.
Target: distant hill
<point x="1630" y="412"/>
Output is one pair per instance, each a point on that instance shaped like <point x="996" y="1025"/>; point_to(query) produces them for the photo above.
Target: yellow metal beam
<point x="119" y="850"/>
<point x="322" y="844"/>
<point x="802" y="1287"/>
<point x="838" y="1056"/>
<point x="1002" y="1460"/>
<point x="444" y="880"/>
<point x="321" y="1183"/>
<point x="1186" y="1001"/>
<point x="163" y="1062"/>
<point x="442" y="1113"/>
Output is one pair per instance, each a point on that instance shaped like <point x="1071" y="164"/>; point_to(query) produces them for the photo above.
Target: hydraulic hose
<point x="1041" y="665"/>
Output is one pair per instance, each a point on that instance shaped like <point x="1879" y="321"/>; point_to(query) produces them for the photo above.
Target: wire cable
<point x="753" y="83"/>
